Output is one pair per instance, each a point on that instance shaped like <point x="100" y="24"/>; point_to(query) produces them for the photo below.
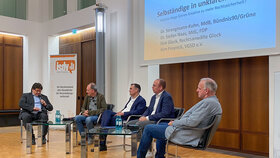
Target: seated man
<point x="136" y="105"/>
<point x="161" y="106"/>
<point x="198" y="116"/>
<point x="94" y="104"/>
<point x="35" y="106"/>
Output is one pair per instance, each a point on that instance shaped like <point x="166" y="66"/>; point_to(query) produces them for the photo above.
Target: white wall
<point x="140" y="74"/>
<point x="274" y="107"/>
<point x="37" y="10"/>
<point x="119" y="30"/>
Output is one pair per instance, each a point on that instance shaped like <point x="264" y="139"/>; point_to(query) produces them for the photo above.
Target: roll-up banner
<point x="63" y="85"/>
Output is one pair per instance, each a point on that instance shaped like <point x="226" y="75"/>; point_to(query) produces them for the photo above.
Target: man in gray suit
<point x="35" y="106"/>
<point x="198" y="116"/>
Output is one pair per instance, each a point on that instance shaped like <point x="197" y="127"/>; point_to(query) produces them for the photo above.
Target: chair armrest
<point x="190" y="128"/>
<point x="99" y="118"/>
<point x="166" y="119"/>
<point x="129" y="117"/>
<point x="199" y="128"/>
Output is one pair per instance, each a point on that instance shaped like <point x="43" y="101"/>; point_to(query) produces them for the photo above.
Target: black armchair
<point x="178" y="114"/>
<point x="205" y="139"/>
<point x="130" y="117"/>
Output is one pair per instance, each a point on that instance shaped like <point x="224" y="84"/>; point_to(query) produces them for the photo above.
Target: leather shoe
<point x="103" y="148"/>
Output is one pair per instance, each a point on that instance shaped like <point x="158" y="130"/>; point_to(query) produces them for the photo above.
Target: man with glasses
<point x="94" y="104"/>
<point x="35" y="106"/>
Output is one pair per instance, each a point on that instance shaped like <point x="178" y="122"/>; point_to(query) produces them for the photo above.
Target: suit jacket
<point x="26" y="102"/>
<point x="165" y="108"/>
<point x="197" y="116"/>
<point x="137" y="108"/>
<point x="100" y="102"/>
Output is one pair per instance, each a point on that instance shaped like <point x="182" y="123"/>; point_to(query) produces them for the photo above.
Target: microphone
<point x="40" y="97"/>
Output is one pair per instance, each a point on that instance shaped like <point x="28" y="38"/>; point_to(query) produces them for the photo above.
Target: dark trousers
<point x="108" y="118"/>
<point x="29" y="117"/>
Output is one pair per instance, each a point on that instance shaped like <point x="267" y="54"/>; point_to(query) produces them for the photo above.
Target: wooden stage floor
<point x="11" y="147"/>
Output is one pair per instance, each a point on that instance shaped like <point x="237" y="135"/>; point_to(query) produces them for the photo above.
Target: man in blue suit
<point x="161" y="106"/>
<point x="198" y="116"/>
<point x="136" y="105"/>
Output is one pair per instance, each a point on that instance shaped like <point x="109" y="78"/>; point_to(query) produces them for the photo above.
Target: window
<point x="85" y="3"/>
<point x="59" y="8"/>
<point x="13" y="8"/>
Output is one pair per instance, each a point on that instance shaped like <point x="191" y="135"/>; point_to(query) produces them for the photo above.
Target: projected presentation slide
<point x="176" y="28"/>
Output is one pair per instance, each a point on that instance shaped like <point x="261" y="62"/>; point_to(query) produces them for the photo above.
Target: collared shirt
<point x="155" y="105"/>
<point x="92" y="104"/>
<point x="37" y="103"/>
<point x="129" y="105"/>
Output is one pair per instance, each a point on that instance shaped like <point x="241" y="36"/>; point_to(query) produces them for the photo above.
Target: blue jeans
<point x="81" y="120"/>
<point x="150" y="132"/>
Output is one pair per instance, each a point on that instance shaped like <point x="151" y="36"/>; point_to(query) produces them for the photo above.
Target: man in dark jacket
<point x="35" y="106"/>
<point x="94" y="104"/>
<point x="161" y="106"/>
<point x="136" y="105"/>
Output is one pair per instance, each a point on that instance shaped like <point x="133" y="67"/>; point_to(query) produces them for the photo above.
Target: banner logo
<point x="65" y="66"/>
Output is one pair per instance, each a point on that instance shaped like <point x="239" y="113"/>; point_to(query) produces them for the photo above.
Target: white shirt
<point x="156" y="104"/>
<point x="129" y="105"/>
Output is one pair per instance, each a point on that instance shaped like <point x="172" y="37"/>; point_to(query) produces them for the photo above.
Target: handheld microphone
<point x="40" y="97"/>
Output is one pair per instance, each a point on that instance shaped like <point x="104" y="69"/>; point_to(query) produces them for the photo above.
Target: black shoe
<point x="33" y="142"/>
<point x="44" y="140"/>
<point x="101" y="148"/>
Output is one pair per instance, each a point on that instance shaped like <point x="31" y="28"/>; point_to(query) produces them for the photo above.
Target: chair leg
<point x="48" y="135"/>
<point x="176" y="154"/>
<point x="124" y="142"/>
<point x="166" y="150"/>
<point x="21" y="132"/>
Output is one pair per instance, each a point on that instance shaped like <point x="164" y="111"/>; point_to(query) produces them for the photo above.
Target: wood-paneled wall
<point x="255" y="105"/>
<point x="173" y="72"/>
<point x="227" y="75"/>
<point x="1" y="73"/>
<point x="193" y="72"/>
<point x="242" y="92"/>
<point x="82" y="44"/>
<point x="11" y="71"/>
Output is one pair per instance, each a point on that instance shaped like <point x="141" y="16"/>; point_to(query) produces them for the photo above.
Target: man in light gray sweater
<point x="198" y="116"/>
